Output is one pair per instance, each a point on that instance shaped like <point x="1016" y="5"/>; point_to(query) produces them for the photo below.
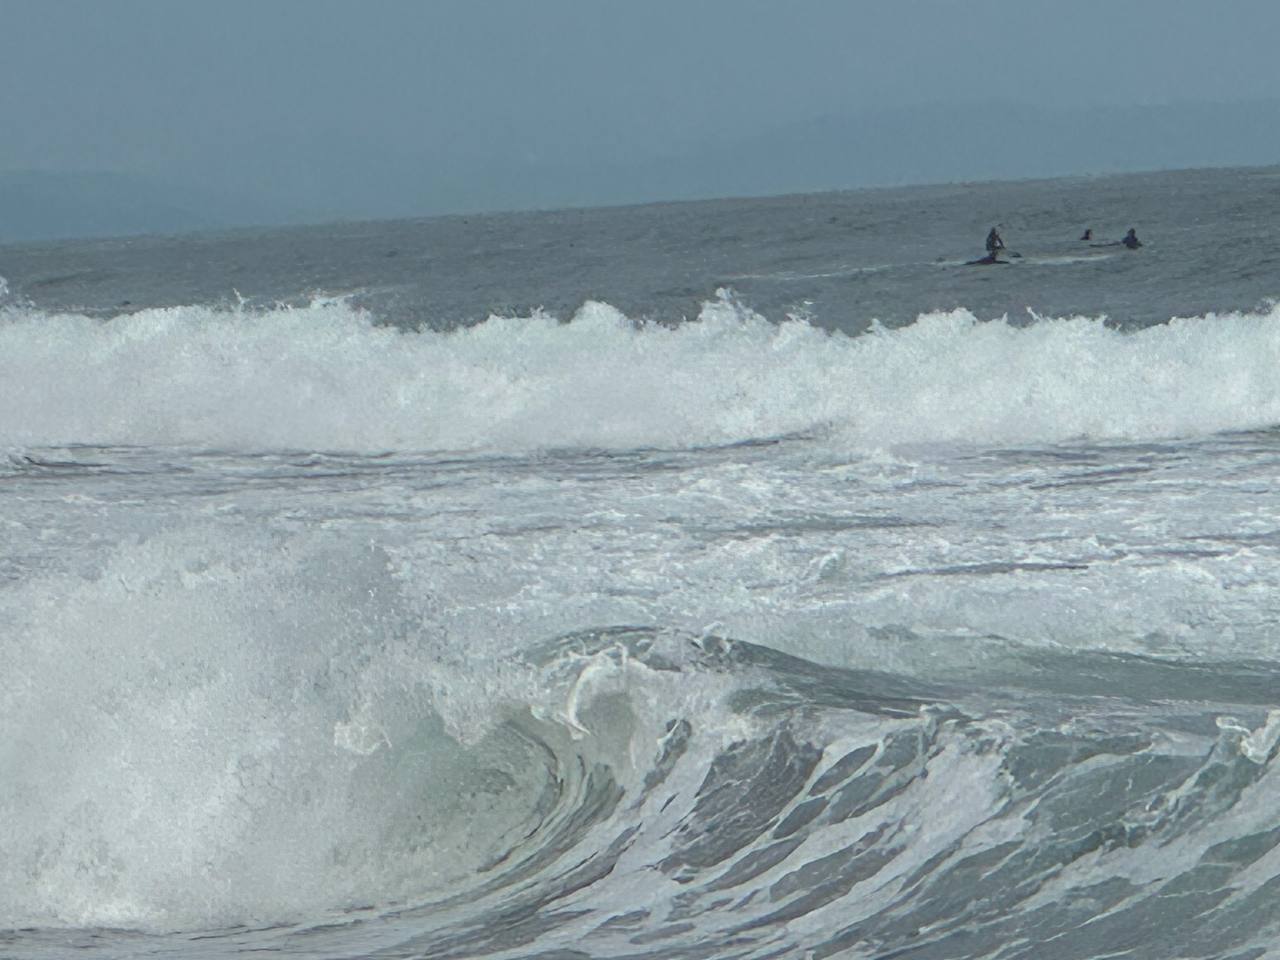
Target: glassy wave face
<point x="595" y="634"/>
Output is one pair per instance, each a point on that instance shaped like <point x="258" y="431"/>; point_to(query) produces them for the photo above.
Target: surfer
<point x="995" y="244"/>
<point x="1131" y="239"/>
<point x="1088" y="233"/>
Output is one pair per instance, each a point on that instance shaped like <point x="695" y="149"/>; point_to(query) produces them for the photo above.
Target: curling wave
<point x="632" y="788"/>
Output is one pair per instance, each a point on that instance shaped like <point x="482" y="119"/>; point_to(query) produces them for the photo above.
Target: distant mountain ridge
<point x="999" y="141"/>
<point x="889" y="147"/>
<point x="40" y="205"/>
<point x="951" y="144"/>
<point x="37" y="205"/>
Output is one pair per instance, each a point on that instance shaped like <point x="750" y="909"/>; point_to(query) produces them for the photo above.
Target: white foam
<point x="328" y="378"/>
<point x="200" y="737"/>
<point x="223" y="724"/>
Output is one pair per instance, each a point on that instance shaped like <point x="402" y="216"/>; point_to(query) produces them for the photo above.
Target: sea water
<point x="740" y="579"/>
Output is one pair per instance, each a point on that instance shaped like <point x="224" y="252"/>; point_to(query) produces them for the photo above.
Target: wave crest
<point x="327" y="377"/>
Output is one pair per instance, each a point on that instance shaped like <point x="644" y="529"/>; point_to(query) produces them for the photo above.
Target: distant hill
<point x="40" y="205"/>
<point x="43" y="206"/>
<point x="344" y="179"/>
<point x="937" y="144"/>
<point x="891" y="147"/>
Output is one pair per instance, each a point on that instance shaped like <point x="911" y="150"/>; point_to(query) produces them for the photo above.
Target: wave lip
<point x="328" y="378"/>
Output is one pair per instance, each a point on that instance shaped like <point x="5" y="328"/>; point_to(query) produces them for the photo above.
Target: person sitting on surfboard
<point x="1088" y="234"/>
<point x="994" y="242"/>
<point x="1131" y="239"/>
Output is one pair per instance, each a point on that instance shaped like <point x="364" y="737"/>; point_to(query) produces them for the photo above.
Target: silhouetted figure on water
<point x="1131" y="239"/>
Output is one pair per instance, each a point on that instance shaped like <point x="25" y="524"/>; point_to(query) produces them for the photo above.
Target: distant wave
<point x="328" y="377"/>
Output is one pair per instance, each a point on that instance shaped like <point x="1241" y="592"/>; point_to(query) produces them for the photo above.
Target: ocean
<point x="744" y="579"/>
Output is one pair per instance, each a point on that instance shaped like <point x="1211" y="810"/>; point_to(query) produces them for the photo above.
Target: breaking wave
<point x="634" y="787"/>
<point x="329" y="378"/>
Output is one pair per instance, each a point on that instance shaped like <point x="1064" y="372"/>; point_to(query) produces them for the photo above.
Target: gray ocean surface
<point x="842" y="258"/>
<point x="734" y="579"/>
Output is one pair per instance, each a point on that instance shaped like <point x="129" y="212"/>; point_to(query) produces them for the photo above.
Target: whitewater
<point x="740" y="579"/>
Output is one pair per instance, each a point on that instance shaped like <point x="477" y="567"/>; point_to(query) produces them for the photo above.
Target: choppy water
<point x="678" y="609"/>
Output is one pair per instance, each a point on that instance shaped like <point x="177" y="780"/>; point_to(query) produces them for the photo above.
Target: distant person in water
<point x="1088" y="234"/>
<point x="994" y="242"/>
<point x="1131" y="239"/>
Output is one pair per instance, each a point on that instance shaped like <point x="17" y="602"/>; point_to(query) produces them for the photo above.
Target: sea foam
<point x="328" y="377"/>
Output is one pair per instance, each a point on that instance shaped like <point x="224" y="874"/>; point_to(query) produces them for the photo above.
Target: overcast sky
<point x="239" y="93"/>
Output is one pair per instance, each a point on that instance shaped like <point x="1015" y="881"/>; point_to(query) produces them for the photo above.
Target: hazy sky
<point x="239" y="93"/>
